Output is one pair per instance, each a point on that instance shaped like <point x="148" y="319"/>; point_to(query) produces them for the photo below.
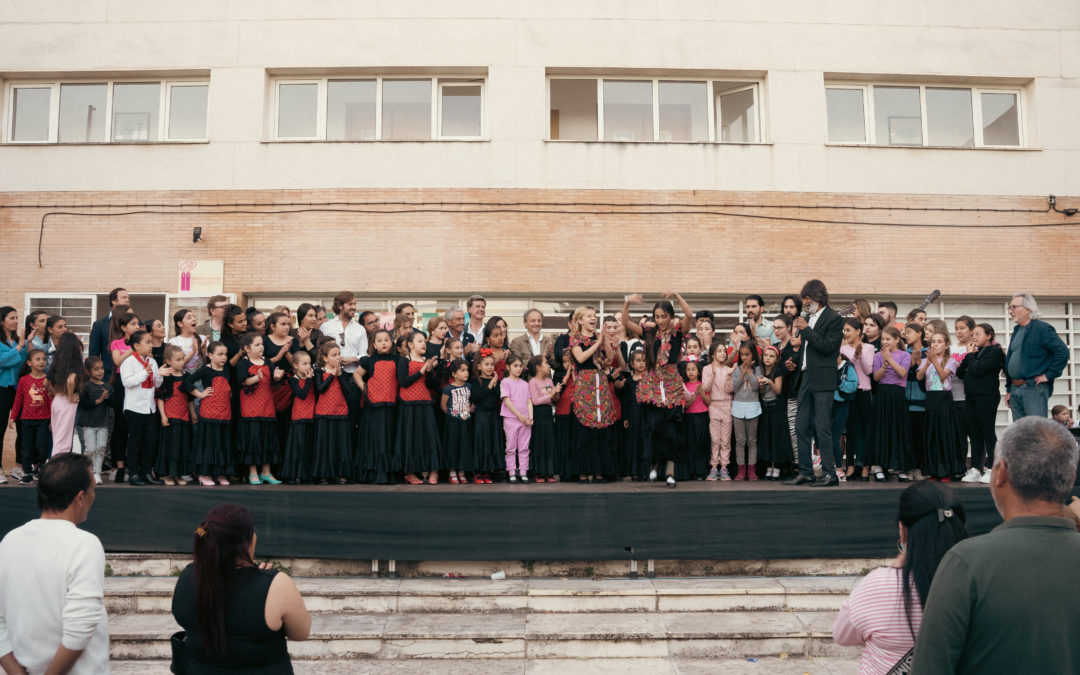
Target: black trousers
<point x="354" y="398"/>
<point x="36" y="440"/>
<point x="144" y="430"/>
<point x="7" y="400"/>
<point x="814" y="420"/>
<point x="983" y="415"/>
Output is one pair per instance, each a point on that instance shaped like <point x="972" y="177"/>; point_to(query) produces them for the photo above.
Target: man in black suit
<point x="99" y="332"/>
<point x="822" y="331"/>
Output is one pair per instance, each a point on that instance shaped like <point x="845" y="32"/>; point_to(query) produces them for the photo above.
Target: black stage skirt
<point x="257" y="442"/>
<point x="174" y="449"/>
<point x="211" y="453"/>
<point x="542" y="444"/>
<point x="489" y="446"/>
<point x="333" y="448"/>
<point x="888" y="438"/>
<point x="941" y="437"/>
<point x="284" y="421"/>
<point x="457" y="443"/>
<point x="774" y="441"/>
<point x="416" y="442"/>
<point x="591" y="452"/>
<point x="698" y="443"/>
<point x="299" y="451"/>
<point x="564" y="425"/>
<point x="375" y="445"/>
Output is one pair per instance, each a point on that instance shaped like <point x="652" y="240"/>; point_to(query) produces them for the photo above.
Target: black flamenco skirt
<point x="257" y="442"/>
<point x="698" y="443"/>
<point x="174" y="449"/>
<point x="489" y="446"/>
<point x="631" y="454"/>
<point x="774" y="441"/>
<point x="542" y="443"/>
<point x="663" y="437"/>
<point x="417" y="446"/>
<point x="457" y="443"/>
<point x="375" y="445"/>
<point x="332" y="457"/>
<point x="564" y="425"/>
<point x="299" y="451"/>
<point x="888" y="438"/>
<point x="211" y="453"/>
<point x="591" y="451"/>
<point x="941" y="437"/>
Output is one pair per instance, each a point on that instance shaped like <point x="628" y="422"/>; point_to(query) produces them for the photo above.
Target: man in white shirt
<point x="353" y="341"/>
<point x="476" y="306"/>
<point x="52" y="580"/>
<point x="534" y="342"/>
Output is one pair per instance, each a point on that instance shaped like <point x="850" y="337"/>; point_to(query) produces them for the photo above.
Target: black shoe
<point x="136" y="480"/>
<point x="121" y="476"/>
<point x="801" y="480"/>
<point x="149" y="478"/>
<point x="26" y="479"/>
<point x="828" y="480"/>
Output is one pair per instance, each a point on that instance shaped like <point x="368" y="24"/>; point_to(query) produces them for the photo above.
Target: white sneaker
<point x="652" y="475"/>
<point x="17" y="472"/>
<point x="670" y="482"/>
<point x="513" y="478"/>
<point x="985" y="479"/>
<point x="97" y="479"/>
<point x="973" y="475"/>
<point x="841" y="476"/>
<point x="187" y="479"/>
<point x="817" y="463"/>
<point x="3" y="478"/>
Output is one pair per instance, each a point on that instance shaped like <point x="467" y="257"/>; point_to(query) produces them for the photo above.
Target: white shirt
<point x="187" y="344"/>
<point x="813" y="322"/>
<point x="136" y="397"/>
<point x="534" y="343"/>
<point x="354" y="344"/>
<point x="479" y="334"/>
<point x="52" y="592"/>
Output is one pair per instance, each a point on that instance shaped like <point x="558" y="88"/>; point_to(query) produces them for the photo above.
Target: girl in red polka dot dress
<point x="177" y="413"/>
<point x="256" y="434"/>
<point x="300" y="441"/>
<point x="376" y="376"/>
<point x="333" y="437"/>
<point x="211" y="452"/>
<point x="417" y="446"/>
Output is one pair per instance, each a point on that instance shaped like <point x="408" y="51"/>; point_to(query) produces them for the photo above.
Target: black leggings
<point x="37" y="443"/>
<point x="142" y="442"/>
<point x="983" y="415"/>
<point x="7" y="400"/>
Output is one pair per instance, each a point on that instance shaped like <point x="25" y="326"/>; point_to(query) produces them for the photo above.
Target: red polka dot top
<point x="256" y="400"/>
<point x="217" y="407"/>
<point x="331" y="402"/>
<point x="176" y="399"/>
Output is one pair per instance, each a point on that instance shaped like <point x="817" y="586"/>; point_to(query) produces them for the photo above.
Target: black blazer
<point x="822" y="346"/>
<point x="99" y="344"/>
<point x="981" y="372"/>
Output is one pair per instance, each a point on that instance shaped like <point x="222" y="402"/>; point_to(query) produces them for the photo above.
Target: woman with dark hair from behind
<point x="65" y="379"/>
<point x="237" y="614"/>
<point x="884" y="609"/>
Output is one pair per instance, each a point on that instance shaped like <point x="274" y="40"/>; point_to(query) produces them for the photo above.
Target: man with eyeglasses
<point x="353" y="341"/>
<point x="1036" y="357"/>
<point x="211" y="328"/>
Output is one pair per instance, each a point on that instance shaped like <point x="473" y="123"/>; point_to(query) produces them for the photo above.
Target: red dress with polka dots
<point x="217" y="406"/>
<point x="176" y="399"/>
<point x="381" y="382"/>
<point x="303" y="400"/>
<point x="331" y="402"/>
<point x="256" y="400"/>
<point x="417" y="390"/>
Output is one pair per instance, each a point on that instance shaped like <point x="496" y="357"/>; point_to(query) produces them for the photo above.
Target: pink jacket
<point x="717" y="382"/>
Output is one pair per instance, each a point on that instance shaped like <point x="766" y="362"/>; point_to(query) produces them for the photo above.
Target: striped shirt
<point x="873" y="616"/>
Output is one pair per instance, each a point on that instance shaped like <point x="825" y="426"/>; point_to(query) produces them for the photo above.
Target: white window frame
<point x="28" y="299"/>
<point x="169" y="86"/>
<point x="870" y="128"/>
<point x="165" y="84"/>
<point x="753" y="84"/>
<point x="437" y="83"/>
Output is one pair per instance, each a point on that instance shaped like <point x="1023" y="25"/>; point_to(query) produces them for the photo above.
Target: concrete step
<point x="163" y="565"/>
<point x="406" y="596"/>
<point x="596" y="635"/>
<point x="763" y="666"/>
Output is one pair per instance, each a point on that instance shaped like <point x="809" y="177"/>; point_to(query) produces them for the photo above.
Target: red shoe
<point x="433" y="478"/>
<point x="413" y="480"/>
<point x="454" y="480"/>
<point x="751" y="472"/>
<point x="741" y="474"/>
<point x="487" y="479"/>
<point x="539" y="479"/>
<point x="478" y="479"/>
<point x="946" y="479"/>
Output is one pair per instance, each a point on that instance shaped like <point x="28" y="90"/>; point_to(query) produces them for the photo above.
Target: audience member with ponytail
<point x="884" y="610"/>
<point x="236" y="614"/>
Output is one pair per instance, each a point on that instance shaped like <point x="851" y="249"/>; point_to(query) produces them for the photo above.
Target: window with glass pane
<point x="461" y="110"/>
<point x="948" y="118"/>
<point x="573" y="110"/>
<point x="1000" y="119"/>
<point x="298" y="110"/>
<point x="847" y="121"/>
<point x="82" y="113"/>
<point x="135" y="111"/>
<point x="897" y="116"/>
<point x="736" y="117"/>
<point x="350" y="110"/>
<point x="30" y="114"/>
<point x="628" y="111"/>
<point x="187" y="111"/>
<point x="406" y="110"/>
<point x="684" y="111"/>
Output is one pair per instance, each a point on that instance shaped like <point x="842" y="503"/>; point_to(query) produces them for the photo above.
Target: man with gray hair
<point x="1007" y="601"/>
<point x="455" y="322"/>
<point x="1036" y="357"/>
<point x="534" y="342"/>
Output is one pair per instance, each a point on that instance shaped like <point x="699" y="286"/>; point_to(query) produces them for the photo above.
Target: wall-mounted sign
<point x="201" y="277"/>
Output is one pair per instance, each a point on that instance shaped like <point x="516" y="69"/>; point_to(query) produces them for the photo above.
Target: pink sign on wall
<point x="201" y="277"/>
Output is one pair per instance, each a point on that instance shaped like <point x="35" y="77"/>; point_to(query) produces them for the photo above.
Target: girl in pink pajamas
<point x="517" y="419"/>
<point x="717" y="388"/>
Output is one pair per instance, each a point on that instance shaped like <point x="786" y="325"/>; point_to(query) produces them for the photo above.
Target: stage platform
<point x="561" y="521"/>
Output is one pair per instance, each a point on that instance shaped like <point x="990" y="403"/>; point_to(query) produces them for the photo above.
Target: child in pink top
<point x="717" y="392"/>
<point x="517" y="417"/>
<point x="695" y="423"/>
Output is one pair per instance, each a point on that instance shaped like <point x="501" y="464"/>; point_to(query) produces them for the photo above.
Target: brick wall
<point x="589" y="248"/>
